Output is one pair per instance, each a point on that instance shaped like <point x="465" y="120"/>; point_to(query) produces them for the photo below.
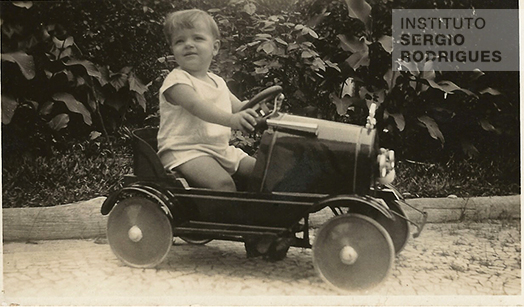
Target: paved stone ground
<point x="467" y="259"/>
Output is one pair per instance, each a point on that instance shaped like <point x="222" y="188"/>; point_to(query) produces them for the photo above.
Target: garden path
<point x="462" y="262"/>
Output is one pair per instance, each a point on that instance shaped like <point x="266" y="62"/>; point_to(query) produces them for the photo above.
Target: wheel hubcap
<point x="135" y="234"/>
<point x="348" y="255"/>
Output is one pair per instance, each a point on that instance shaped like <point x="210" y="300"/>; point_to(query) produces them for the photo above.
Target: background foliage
<point x="85" y="72"/>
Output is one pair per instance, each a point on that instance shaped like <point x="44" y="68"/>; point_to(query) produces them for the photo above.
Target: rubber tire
<point x="398" y="228"/>
<point x="368" y="238"/>
<point x="156" y="230"/>
<point x="195" y="239"/>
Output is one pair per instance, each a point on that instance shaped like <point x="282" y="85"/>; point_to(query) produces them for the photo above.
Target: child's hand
<point x="244" y="120"/>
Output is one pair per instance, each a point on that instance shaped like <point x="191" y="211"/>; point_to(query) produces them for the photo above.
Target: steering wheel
<point x="259" y="101"/>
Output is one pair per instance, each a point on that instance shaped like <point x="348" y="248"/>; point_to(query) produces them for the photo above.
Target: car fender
<point x="148" y="190"/>
<point x="387" y="192"/>
<point x="356" y="201"/>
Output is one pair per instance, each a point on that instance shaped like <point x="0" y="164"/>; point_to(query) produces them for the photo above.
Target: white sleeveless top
<point x="183" y="136"/>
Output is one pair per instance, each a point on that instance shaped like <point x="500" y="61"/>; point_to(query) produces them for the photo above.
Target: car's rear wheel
<point x="139" y="232"/>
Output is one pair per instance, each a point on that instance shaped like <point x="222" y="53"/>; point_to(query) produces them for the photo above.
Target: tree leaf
<point x="445" y="86"/>
<point x="24" y="61"/>
<point x="411" y="66"/>
<point x="292" y="47"/>
<point x="486" y="125"/>
<point x="349" y="88"/>
<point x="63" y="44"/>
<point x="74" y="106"/>
<point x="358" y="59"/>
<point x="23" y="4"/>
<point x="261" y="70"/>
<point x="281" y="41"/>
<point x="263" y="36"/>
<point x="267" y="46"/>
<point x="9" y="105"/>
<point x="306" y="54"/>
<point x="391" y="78"/>
<point x="358" y="47"/>
<point x="490" y="91"/>
<point x="318" y="18"/>
<point x="275" y="65"/>
<point x="94" y="135"/>
<point x="477" y="73"/>
<point x="136" y="85"/>
<point x="399" y="120"/>
<point x="141" y="100"/>
<point x="67" y="74"/>
<point x="432" y="127"/>
<point x="261" y="63"/>
<point x="377" y="96"/>
<point x="46" y="108"/>
<point x="309" y="31"/>
<point x="118" y="81"/>
<point x="318" y="64"/>
<point x="333" y="65"/>
<point x="344" y="103"/>
<point x="470" y="93"/>
<point x="69" y="41"/>
<point x="469" y="148"/>
<point x="90" y="67"/>
<point x="65" y="54"/>
<point x="387" y="43"/>
<point x="359" y="9"/>
<point x="250" y="8"/>
<point x="59" y="122"/>
<point x="352" y="44"/>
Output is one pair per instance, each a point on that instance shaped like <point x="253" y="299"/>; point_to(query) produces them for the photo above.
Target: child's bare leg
<point x="206" y="172"/>
<point x="246" y="166"/>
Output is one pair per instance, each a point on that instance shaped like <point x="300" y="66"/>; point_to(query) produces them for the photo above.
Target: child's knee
<point x="224" y="184"/>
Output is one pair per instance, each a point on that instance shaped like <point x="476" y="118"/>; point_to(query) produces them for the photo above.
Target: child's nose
<point x="190" y="43"/>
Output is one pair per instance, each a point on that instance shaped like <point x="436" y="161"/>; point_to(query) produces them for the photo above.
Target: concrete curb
<point x="83" y="219"/>
<point x="73" y="221"/>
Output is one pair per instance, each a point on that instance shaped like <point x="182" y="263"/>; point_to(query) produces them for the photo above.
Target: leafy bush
<point x="265" y="46"/>
<point x="51" y="92"/>
<point x="311" y="48"/>
<point x="427" y="115"/>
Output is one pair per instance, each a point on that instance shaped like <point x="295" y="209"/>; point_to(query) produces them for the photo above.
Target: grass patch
<point x="463" y="178"/>
<point x="80" y="173"/>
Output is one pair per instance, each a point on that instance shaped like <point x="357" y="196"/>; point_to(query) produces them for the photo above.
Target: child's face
<point x="194" y="48"/>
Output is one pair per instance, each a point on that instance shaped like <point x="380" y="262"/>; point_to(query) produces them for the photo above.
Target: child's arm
<point x="236" y="103"/>
<point x="185" y="96"/>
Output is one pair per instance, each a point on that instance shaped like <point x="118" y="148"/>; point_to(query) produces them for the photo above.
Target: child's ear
<point x="216" y="47"/>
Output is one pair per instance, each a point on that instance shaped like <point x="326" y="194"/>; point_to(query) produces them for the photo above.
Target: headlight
<point x="386" y="166"/>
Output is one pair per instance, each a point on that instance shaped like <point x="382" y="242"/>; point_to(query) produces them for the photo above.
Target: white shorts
<point x="229" y="159"/>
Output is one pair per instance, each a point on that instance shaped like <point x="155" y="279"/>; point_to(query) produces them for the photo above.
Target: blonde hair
<point x="186" y="19"/>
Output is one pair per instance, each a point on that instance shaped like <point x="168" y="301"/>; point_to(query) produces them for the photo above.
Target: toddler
<point x="197" y="110"/>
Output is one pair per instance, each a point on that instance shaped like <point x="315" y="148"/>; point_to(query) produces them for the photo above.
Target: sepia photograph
<point x="261" y="153"/>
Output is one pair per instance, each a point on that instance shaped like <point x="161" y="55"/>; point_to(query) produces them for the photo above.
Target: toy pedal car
<point x="303" y="165"/>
